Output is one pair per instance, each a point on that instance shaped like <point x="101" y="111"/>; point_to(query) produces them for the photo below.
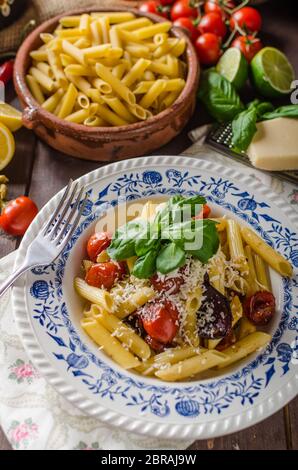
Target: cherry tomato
<point x="153" y="6"/>
<point x="6" y="71"/>
<point x="260" y="307"/>
<point x="104" y="275"/>
<point x="227" y="341"/>
<point x="188" y="25"/>
<point x="160" y="320"/>
<point x="183" y="8"/>
<point x="218" y="6"/>
<point x="18" y="215"/>
<point x="213" y="23"/>
<point x="205" y="212"/>
<point x="247" y="18"/>
<point x="168" y="284"/>
<point x="98" y="243"/>
<point x="208" y="48"/>
<point x="248" y="45"/>
<point x="154" y="344"/>
<point x="167" y="2"/>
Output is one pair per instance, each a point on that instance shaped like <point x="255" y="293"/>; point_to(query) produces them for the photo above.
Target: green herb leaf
<point x="210" y="242"/>
<point x="145" y="266"/>
<point x="178" y="209"/>
<point x="290" y="111"/>
<point x="219" y="96"/>
<point x="123" y="242"/>
<point x="170" y="257"/>
<point x="244" y="128"/>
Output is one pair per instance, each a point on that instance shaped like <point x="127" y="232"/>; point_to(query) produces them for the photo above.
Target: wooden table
<point x="39" y="171"/>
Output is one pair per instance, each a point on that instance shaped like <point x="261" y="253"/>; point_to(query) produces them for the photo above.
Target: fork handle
<point x="12" y="278"/>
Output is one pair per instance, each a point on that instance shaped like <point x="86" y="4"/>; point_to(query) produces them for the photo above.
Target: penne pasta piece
<point x="135" y="72"/>
<point x="115" y="38"/>
<point x="263" y="282"/>
<point x="52" y="102"/>
<point x="160" y="38"/>
<point x="138" y="111"/>
<point x="152" y="30"/>
<point x="102" y="86"/>
<point x="118" y="107"/>
<point x="80" y="70"/>
<point x="80" y="83"/>
<point x="216" y="271"/>
<point x="67" y="60"/>
<point x="192" y="366"/>
<point x="236" y="247"/>
<point x="252" y="286"/>
<point x="40" y="55"/>
<point x="35" y="89"/>
<point x="274" y="259"/>
<point x="178" y="48"/>
<point x="95" y="295"/>
<point x="46" y="69"/>
<point x="83" y="100"/>
<point x="246" y="328"/>
<point x="192" y="305"/>
<point x="104" y="23"/>
<point x="73" y="51"/>
<point x="138" y="50"/>
<point x="84" y="25"/>
<point x="244" y="347"/>
<point x="117" y="86"/>
<point x="46" y="37"/>
<point x="124" y="334"/>
<point x="110" y="345"/>
<point x="70" y="21"/>
<point x="95" y="95"/>
<point x="109" y="116"/>
<point x="125" y="307"/>
<point x="115" y="17"/>
<point x="82" y="43"/>
<point x="95" y="33"/>
<point x="155" y="90"/>
<point x="43" y="80"/>
<point x="56" y="66"/>
<point x="134" y="24"/>
<point x="103" y="257"/>
<point x="119" y="70"/>
<point x="68" y="102"/>
<point x="96" y="52"/>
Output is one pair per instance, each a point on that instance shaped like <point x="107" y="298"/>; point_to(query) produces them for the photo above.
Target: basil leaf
<point x="170" y="257"/>
<point x="290" y="111"/>
<point x="219" y="96"/>
<point x="177" y="209"/>
<point x="144" y="244"/>
<point x="244" y="128"/>
<point x="123" y="242"/>
<point x="210" y="243"/>
<point x="145" y="266"/>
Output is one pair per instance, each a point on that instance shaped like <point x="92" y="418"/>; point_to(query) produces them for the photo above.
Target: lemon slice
<point x="11" y="117"/>
<point x="7" y="146"/>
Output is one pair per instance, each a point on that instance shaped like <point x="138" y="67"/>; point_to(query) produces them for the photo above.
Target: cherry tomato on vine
<point x="218" y="6"/>
<point x="97" y="243"/>
<point x="213" y="23"/>
<point x="153" y="6"/>
<point x="208" y="48"/>
<point x="104" y="275"/>
<point x="167" y="2"/>
<point x="18" y="215"/>
<point x="248" y="45"/>
<point x="183" y="8"/>
<point x="188" y="25"/>
<point x="260" y="307"/>
<point x="247" y="18"/>
<point x="160" y="320"/>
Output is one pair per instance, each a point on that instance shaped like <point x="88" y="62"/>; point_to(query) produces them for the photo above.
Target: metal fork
<point x="54" y="235"/>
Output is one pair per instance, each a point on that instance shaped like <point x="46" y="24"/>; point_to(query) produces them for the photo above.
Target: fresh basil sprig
<point x="162" y="245"/>
<point x="290" y="111"/>
<point x="244" y="128"/>
<point x="219" y="96"/>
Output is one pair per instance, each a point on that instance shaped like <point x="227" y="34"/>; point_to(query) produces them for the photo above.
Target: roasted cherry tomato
<point x="105" y="275"/>
<point x="18" y="215"/>
<point x="156" y="7"/>
<point x="208" y="48"/>
<point x="248" y="45"/>
<point x="213" y="23"/>
<point x="97" y="243"/>
<point x="188" y="25"/>
<point x="169" y="284"/>
<point x="205" y="212"/>
<point x="219" y="6"/>
<point x="247" y="18"/>
<point x="183" y="8"/>
<point x="6" y="71"/>
<point x="160" y="320"/>
<point x="227" y="341"/>
<point x="260" y="307"/>
<point x="155" y="345"/>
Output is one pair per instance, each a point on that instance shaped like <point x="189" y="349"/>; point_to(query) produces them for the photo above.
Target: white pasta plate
<point x="48" y="312"/>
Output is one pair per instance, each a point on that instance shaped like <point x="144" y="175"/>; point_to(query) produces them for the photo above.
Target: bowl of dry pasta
<point x="104" y="85"/>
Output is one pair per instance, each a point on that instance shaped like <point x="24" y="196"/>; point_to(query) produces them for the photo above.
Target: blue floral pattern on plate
<point x="212" y="396"/>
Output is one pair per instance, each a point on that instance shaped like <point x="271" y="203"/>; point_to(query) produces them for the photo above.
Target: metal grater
<point x="220" y="138"/>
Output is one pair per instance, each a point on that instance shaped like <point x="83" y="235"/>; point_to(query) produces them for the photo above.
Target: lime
<point x="11" y="117"/>
<point x="233" y="66"/>
<point x="272" y="73"/>
<point x="7" y="146"/>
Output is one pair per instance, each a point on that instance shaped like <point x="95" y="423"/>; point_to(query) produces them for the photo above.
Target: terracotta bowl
<point x="104" y="143"/>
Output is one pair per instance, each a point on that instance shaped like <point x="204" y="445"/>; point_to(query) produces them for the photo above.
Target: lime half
<point x="272" y="72"/>
<point x="233" y="66"/>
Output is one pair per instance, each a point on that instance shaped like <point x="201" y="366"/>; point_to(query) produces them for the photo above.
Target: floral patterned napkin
<point x="33" y="415"/>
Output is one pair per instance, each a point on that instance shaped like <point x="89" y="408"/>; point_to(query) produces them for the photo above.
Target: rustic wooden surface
<point x="40" y="172"/>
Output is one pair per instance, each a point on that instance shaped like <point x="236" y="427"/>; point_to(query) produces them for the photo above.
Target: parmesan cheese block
<point x="275" y="145"/>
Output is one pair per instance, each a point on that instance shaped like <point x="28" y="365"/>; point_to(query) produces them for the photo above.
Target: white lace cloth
<point x="33" y="415"/>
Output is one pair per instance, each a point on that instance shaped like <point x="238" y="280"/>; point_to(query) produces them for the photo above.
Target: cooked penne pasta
<point x="244" y="347"/>
<point x="236" y="246"/>
<point x="263" y="281"/>
<point x="252" y="276"/>
<point x="274" y="259"/>
<point x="192" y="306"/>
<point x="125" y="307"/>
<point x="98" y="296"/>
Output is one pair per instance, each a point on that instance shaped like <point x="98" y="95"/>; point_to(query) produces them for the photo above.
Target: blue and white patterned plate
<point x="48" y="311"/>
